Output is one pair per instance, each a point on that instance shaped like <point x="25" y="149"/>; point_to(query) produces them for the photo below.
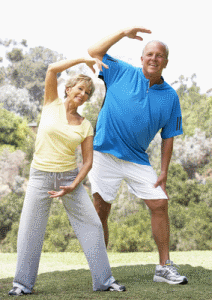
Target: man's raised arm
<point x="99" y="49"/>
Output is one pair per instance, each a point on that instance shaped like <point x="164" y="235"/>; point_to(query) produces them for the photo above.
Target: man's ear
<point x="166" y="63"/>
<point x="142" y="60"/>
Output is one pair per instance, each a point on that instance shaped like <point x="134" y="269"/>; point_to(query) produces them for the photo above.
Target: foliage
<point x="190" y="227"/>
<point x="15" y="133"/>
<point x="125" y="204"/>
<point x="196" y="107"/>
<point x="180" y="189"/>
<point x="206" y="195"/>
<point x="12" y="170"/>
<point x="12" y="186"/>
<point x="13" y="129"/>
<point x="29" y="72"/>
<point x="130" y="230"/>
<point x="18" y="101"/>
<point x="27" y="67"/>
<point x="15" y="55"/>
<point x="193" y="152"/>
<point x="132" y="233"/>
<point x="10" y="210"/>
<point x="91" y="109"/>
<point x="154" y="152"/>
<point x="189" y="180"/>
<point x="2" y="75"/>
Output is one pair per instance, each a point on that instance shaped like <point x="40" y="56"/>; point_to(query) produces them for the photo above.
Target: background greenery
<point x="189" y="182"/>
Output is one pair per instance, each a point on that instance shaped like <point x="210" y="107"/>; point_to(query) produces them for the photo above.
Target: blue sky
<point x="69" y="27"/>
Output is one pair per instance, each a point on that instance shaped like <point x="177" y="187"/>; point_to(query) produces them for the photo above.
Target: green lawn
<point x="66" y="276"/>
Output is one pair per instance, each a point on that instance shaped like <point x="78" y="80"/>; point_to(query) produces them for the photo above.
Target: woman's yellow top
<point x="57" y="141"/>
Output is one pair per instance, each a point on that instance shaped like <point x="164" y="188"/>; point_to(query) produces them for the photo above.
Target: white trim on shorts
<point x="108" y="171"/>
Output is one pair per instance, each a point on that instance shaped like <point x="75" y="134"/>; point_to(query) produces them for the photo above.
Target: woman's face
<point x="79" y="93"/>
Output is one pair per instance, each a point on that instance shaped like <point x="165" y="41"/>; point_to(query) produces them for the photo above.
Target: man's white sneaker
<point x="168" y="273"/>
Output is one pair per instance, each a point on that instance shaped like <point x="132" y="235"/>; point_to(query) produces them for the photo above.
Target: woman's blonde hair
<point x="80" y="78"/>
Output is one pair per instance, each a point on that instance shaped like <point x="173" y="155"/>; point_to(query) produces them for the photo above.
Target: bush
<point x="191" y="227"/>
<point x="13" y="129"/>
<point x="132" y="233"/>
<point x="181" y="189"/>
<point x="10" y="210"/>
<point x="12" y="172"/>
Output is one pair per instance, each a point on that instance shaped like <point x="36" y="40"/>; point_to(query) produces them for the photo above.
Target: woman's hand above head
<point x="91" y="62"/>
<point x="51" y="92"/>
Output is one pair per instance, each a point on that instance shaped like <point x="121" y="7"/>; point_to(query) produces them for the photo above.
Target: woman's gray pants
<point x="82" y="216"/>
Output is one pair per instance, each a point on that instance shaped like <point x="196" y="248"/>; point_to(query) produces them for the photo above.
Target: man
<point x="137" y="105"/>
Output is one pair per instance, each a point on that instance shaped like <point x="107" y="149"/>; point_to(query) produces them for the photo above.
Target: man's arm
<point x="99" y="49"/>
<point x="166" y="154"/>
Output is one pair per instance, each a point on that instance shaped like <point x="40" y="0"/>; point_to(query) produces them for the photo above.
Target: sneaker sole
<point x="162" y="279"/>
<point x="113" y="290"/>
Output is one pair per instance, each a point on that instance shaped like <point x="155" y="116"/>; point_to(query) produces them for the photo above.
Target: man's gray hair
<point x="163" y="44"/>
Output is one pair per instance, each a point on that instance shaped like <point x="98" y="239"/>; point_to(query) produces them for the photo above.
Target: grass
<point x="66" y="276"/>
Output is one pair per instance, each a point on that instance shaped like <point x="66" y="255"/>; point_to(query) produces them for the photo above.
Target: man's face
<point x="154" y="59"/>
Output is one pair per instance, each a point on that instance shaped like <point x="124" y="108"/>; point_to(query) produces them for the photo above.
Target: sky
<point x="70" y="27"/>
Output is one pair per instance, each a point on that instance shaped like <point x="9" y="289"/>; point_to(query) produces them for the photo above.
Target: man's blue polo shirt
<point x="133" y="113"/>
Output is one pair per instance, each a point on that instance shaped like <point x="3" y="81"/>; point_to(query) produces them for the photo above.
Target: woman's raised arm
<point x="51" y="92"/>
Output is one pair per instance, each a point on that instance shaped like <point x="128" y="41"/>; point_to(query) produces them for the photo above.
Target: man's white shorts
<point x="108" y="171"/>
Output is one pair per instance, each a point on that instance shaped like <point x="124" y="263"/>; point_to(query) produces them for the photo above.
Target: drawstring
<point x="57" y="176"/>
<point x="55" y="180"/>
<point x="52" y="174"/>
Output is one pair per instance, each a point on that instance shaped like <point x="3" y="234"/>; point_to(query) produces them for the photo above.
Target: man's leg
<point x="103" y="210"/>
<point x="160" y="226"/>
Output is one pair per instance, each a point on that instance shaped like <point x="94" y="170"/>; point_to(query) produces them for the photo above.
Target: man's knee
<point x="158" y="206"/>
<point x="102" y="207"/>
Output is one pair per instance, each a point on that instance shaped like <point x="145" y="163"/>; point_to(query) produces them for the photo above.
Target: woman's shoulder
<point x="87" y="127"/>
<point x="86" y="122"/>
<point x="57" y="101"/>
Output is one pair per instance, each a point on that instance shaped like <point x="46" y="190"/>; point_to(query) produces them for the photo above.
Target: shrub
<point x="132" y="233"/>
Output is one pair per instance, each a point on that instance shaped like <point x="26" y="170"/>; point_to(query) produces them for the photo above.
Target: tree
<point x="29" y="70"/>
<point x="92" y="108"/>
<point x="12" y="171"/>
<point x="193" y="152"/>
<point x="18" y="101"/>
<point x="13" y="129"/>
<point x="15" y="55"/>
<point x="196" y="107"/>
<point x="10" y="211"/>
<point x="2" y="75"/>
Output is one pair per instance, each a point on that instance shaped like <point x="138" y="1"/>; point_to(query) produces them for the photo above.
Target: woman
<point x="54" y="167"/>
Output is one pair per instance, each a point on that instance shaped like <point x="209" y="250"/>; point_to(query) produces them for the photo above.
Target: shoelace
<point x="173" y="267"/>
